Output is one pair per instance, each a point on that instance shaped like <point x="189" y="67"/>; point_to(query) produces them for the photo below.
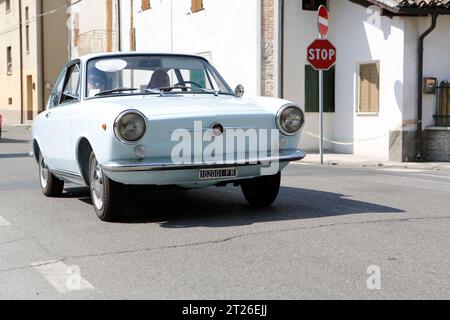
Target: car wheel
<point x="50" y="185"/>
<point x="106" y="194"/>
<point x="262" y="191"/>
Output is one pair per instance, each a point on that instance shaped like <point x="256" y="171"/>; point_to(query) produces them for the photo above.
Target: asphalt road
<point x="329" y="227"/>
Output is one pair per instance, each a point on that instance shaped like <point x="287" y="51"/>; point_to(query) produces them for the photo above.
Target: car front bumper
<point x="167" y="165"/>
<point x="164" y="172"/>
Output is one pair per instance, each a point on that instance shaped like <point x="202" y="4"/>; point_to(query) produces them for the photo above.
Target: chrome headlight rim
<point x="280" y="126"/>
<point x="116" y="127"/>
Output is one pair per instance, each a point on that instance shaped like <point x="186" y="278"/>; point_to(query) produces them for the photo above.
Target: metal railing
<point x="442" y="116"/>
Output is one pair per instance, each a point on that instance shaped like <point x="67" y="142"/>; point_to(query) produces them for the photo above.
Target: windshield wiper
<point x="107" y="92"/>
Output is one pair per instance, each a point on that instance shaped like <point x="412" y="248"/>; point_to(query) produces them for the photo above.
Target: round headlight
<point x="130" y="126"/>
<point x="290" y="120"/>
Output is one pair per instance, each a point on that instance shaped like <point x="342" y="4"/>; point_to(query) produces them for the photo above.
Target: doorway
<point x="29" y="98"/>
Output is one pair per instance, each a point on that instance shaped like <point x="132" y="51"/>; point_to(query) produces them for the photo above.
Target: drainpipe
<point x="21" y="61"/>
<point x="280" y="44"/>
<point x="420" y="87"/>
<point x="119" y="24"/>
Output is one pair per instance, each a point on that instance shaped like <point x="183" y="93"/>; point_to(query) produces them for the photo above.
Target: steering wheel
<point x="188" y="82"/>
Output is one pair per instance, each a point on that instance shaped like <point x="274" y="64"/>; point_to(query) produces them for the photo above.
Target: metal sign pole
<point x="321" y="115"/>
<point x="321" y="89"/>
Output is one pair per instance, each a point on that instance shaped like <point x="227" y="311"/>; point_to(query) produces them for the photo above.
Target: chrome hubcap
<point x="44" y="173"/>
<point x="97" y="187"/>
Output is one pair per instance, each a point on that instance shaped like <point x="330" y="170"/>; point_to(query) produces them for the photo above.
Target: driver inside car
<point x="160" y="79"/>
<point x="96" y="82"/>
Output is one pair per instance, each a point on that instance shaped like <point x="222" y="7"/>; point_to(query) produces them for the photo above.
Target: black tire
<point x="262" y="191"/>
<point x="50" y="185"/>
<point x="110" y="207"/>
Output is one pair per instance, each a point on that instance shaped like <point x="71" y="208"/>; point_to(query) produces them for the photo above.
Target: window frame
<point x="59" y="81"/>
<point x="146" y="5"/>
<point x="328" y="108"/>
<point x="197" y="6"/>
<point x="358" y="88"/>
<point x="211" y="69"/>
<point x="314" y="7"/>
<point x="9" y="64"/>
<point x="67" y="77"/>
<point x="8" y="7"/>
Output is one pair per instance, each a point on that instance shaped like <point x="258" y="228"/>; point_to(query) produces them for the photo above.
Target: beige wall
<point x="55" y="45"/>
<point x="10" y="84"/>
<point x="40" y="64"/>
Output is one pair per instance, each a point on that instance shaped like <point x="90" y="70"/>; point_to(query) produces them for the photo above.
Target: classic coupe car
<point x="114" y="121"/>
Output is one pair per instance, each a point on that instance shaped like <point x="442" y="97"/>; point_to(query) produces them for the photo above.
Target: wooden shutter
<point x="369" y="87"/>
<point x="197" y="5"/>
<point x="145" y="5"/>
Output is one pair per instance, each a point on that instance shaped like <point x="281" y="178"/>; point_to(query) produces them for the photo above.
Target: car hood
<point x="168" y="106"/>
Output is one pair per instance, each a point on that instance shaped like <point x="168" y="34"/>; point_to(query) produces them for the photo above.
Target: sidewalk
<point x="352" y="160"/>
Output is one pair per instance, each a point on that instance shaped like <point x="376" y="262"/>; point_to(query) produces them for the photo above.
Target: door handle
<point x="48" y="115"/>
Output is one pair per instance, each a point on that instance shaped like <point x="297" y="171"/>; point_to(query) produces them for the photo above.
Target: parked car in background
<point x="118" y="120"/>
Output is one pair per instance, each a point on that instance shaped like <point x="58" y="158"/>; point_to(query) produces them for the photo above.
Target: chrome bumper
<point x="168" y="165"/>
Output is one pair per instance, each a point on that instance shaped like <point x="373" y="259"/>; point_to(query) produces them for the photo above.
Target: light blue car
<point x="127" y="119"/>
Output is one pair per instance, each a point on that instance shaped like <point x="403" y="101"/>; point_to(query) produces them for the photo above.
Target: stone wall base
<point x="402" y="146"/>
<point x="437" y="144"/>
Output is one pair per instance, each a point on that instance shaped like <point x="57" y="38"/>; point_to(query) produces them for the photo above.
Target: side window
<point x="55" y="96"/>
<point x="71" y="90"/>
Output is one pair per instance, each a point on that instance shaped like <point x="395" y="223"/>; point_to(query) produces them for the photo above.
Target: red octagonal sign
<point x="322" y="55"/>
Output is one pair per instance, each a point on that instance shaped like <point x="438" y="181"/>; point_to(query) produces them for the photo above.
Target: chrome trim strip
<point x="140" y="166"/>
<point x="209" y="129"/>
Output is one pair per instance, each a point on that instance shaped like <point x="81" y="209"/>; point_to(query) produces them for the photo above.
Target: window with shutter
<point x="369" y="88"/>
<point x="313" y="5"/>
<point x="145" y="5"/>
<point x="312" y="90"/>
<point x="197" y="5"/>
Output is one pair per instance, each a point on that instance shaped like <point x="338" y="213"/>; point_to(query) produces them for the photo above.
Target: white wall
<point x="300" y="31"/>
<point x="436" y="59"/>
<point x="227" y="29"/>
<point x="363" y="36"/>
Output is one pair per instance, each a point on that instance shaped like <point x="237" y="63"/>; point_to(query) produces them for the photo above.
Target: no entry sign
<point x="322" y="54"/>
<point x="322" y="21"/>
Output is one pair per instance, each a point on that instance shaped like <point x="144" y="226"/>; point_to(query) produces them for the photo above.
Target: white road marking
<point x="435" y="176"/>
<point x="402" y="170"/>
<point x="3" y="222"/>
<point x="63" y="278"/>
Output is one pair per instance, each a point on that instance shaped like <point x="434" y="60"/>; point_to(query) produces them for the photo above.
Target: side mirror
<point x="239" y="91"/>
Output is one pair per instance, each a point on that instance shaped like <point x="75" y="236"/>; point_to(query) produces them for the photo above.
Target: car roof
<point x="87" y="57"/>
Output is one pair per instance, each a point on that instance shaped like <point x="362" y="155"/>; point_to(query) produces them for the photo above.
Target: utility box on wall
<point x="429" y="85"/>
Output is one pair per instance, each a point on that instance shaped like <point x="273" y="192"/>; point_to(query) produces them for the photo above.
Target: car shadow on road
<point x="226" y="207"/>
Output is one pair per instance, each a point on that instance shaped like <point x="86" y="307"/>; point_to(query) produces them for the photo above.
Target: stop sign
<point x="321" y="54"/>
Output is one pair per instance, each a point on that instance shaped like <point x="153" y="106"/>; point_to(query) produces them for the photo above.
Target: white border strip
<point x="63" y="278"/>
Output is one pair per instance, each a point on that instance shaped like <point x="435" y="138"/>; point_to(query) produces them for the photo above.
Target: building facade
<point x="33" y="47"/>
<point x="371" y="95"/>
<point x="93" y="27"/>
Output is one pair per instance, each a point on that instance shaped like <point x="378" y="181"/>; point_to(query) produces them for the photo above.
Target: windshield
<point x="152" y="74"/>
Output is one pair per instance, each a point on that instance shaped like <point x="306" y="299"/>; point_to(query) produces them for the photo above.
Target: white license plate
<point x="216" y="174"/>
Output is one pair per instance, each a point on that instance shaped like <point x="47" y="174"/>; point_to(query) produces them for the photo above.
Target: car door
<point x="59" y="150"/>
